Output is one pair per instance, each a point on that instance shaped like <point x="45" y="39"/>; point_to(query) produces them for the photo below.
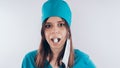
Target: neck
<point x="55" y="56"/>
<point x="56" y="51"/>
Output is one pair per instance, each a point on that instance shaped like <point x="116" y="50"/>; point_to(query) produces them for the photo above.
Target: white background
<point x="95" y="30"/>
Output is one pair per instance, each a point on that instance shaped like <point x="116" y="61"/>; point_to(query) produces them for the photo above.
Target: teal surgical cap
<point x="57" y="8"/>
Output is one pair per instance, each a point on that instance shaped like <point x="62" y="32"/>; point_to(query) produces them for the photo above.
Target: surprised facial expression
<point x="55" y="32"/>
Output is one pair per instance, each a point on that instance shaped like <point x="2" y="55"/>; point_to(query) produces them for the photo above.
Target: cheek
<point x="64" y="33"/>
<point x="46" y="35"/>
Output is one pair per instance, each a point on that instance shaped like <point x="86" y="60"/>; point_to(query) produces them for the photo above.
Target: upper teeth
<point x="55" y="40"/>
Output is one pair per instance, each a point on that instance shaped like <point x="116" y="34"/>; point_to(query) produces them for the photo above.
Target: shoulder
<point x="79" y="53"/>
<point x="31" y="54"/>
<point x="82" y="60"/>
<point x="79" y="56"/>
<point x="29" y="59"/>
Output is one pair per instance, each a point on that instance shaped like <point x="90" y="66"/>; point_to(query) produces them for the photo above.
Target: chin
<point x="56" y="46"/>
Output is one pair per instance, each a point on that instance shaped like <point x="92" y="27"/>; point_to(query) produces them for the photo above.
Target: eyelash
<point x="47" y="26"/>
<point x="61" y="24"/>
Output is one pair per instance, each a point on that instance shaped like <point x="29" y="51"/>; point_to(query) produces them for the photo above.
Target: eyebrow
<point x="61" y="21"/>
<point x="47" y="22"/>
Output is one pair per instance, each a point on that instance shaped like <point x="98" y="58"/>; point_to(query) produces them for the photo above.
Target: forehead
<point x="54" y="19"/>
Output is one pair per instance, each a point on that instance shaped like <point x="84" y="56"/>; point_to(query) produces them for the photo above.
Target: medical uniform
<point x="81" y="60"/>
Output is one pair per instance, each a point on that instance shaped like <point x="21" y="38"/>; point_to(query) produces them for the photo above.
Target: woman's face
<point x="55" y="32"/>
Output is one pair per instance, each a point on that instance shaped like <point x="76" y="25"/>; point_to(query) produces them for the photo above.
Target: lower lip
<point x="56" y="44"/>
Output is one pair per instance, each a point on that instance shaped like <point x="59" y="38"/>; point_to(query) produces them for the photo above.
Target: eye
<point x="47" y="26"/>
<point x="61" y="24"/>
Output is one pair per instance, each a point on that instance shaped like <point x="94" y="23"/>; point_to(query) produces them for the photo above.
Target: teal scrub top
<point x="82" y="60"/>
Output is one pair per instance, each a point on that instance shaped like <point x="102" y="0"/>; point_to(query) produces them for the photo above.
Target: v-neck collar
<point x="50" y="66"/>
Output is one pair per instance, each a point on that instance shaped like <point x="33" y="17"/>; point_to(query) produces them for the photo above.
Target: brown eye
<point x="61" y="24"/>
<point x="47" y="26"/>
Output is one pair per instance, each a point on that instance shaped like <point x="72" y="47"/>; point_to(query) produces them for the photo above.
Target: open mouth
<point x="55" y="40"/>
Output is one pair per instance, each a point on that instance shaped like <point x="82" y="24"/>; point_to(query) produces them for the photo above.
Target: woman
<point x="56" y="49"/>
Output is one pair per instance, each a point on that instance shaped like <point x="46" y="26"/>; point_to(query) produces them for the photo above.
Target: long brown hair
<point x="44" y="50"/>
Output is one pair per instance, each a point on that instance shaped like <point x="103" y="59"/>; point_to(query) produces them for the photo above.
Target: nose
<point x="55" y="30"/>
